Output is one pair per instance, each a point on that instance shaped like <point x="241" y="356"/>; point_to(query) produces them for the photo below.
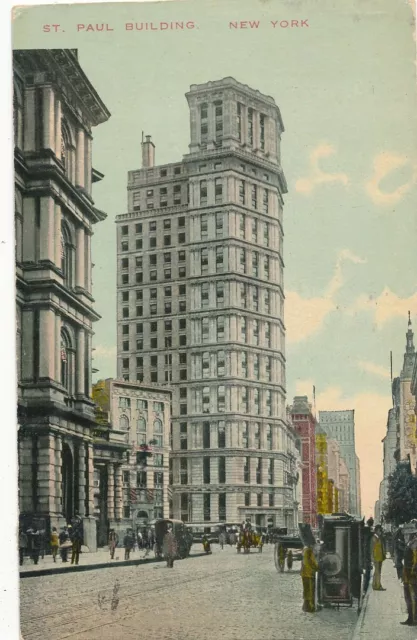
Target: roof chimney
<point x="148" y="153"/>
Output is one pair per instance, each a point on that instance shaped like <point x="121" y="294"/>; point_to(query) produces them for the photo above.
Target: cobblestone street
<point x="225" y="595"/>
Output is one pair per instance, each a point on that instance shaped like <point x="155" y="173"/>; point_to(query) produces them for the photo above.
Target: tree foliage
<point x="402" y="496"/>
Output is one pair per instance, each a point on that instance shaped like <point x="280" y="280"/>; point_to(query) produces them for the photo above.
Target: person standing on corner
<point x="54" y="543"/>
<point x="399" y="550"/>
<point x="378" y="557"/>
<point x="309" y="567"/>
<point x="410" y="580"/>
<point x="113" y="541"/>
<point x="169" y="547"/>
<point x="76" y="539"/>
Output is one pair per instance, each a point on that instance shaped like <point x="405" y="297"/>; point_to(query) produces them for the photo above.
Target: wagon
<point x="287" y="549"/>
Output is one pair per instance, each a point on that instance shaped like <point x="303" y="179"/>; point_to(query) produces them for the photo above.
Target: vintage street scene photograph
<point x="215" y="283"/>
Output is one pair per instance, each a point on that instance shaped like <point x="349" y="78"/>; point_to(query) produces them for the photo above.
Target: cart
<point x="340" y="579"/>
<point x="287" y="549"/>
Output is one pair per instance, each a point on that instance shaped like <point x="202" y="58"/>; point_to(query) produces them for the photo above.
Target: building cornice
<point x="61" y="66"/>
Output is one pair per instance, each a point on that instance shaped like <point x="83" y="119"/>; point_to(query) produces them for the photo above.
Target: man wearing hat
<point x="378" y="557"/>
<point x="410" y="579"/>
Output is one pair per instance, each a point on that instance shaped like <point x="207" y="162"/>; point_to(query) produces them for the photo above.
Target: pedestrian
<point x="128" y="543"/>
<point x="36" y="544"/>
<point x="169" y="547"/>
<point x="309" y="567"/>
<point x="140" y="540"/>
<point x="23" y="543"/>
<point x="410" y="580"/>
<point x="54" y="543"/>
<point x="222" y="540"/>
<point x="378" y="557"/>
<point x="399" y="550"/>
<point x="65" y="543"/>
<point x="113" y="542"/>
<point x="76" y="539"/>
<point x="368" y="532"/>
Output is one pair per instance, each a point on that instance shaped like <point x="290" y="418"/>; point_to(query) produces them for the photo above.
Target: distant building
<point x="343" y="487"/>
<point x="340" y="426"/>
<point x="55" y="111"/>
<point x="305" y="426"/>
<point x="136" y="493"/>
<point x="407" y="403"/>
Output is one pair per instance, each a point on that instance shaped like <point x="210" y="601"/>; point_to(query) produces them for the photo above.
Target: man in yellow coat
<point x="309" y="567"/>
<point x="378" y="557"/>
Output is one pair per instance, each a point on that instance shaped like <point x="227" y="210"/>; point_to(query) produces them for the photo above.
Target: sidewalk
<point x="384" y="610"/>
<point x="88" y="562"/>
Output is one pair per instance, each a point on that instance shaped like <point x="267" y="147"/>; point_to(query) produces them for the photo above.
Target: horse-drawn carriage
<point x="249" y="538"/>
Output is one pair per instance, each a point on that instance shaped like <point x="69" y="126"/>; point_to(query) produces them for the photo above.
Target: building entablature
<point x="42" y="174"/>
<point x="230" y="453"/>
<point x="60" y="67"/>
<point x="50" y="294"/>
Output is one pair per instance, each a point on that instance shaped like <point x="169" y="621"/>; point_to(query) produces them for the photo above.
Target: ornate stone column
<point x="29" y="119"/>
<point x="47" y="235"/>
<point x="81" y="479"/>
<point x="80" y="360"/>
<point x="58" y="132"/>
<point x="110" y="491"/>
<point x="118" y="493"/>
<point x="46" y="482"/>
<point x="80" y="159"/>
<point x="90" y="472"/>
<point x="80" y="258"/>
<point x="47" y="344"/>
<point x="48" y="119"/>
<point x="58" y="474"/>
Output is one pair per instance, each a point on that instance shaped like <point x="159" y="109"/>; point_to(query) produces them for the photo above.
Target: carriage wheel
<point x="279" y="563"/>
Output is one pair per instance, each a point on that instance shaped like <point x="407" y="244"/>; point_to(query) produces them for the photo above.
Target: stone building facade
<point x="136" y="493"/>
<point x="55" y="108"/>
<point x="340" y="426"/>
<point x="200" y="305"/>
<point x="407" y="415"/>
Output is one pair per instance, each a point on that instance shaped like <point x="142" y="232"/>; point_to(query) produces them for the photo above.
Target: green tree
<point x="402" y="496"/>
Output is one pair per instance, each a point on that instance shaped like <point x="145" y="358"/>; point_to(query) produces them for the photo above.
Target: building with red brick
<point x="304" y="424"/>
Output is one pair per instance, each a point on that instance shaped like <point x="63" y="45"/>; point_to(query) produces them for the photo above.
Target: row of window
<point x="214" y="365"/>
<point x="141" y="405"/>
<point x="180" y="290"/>
<point x="168" y="240"/>
<point x="211" y="330"/>
<point x="140" y="478"/>
<point x="154" y="343"/>
<point x="152" y="226"/>
<point x="164" y="195"/>
<point x="264" y="471"/>
<point x="250" y="117"/>
<point x="250" y="400"/>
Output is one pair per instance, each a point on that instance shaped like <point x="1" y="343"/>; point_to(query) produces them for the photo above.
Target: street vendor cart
<point x="341" y="561"/>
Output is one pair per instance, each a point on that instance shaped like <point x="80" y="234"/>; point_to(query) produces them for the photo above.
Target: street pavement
<point x="225" y="595"/>
<point x="384" y="610"/>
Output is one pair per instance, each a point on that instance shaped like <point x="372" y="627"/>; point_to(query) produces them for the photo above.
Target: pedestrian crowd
<point x="33" y="542"/>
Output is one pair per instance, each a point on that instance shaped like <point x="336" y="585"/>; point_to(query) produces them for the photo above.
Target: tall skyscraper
<point x="200" y="306"/>
<point x="340" y="425"/>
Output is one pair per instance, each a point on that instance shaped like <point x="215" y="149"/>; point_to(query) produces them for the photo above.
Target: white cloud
<point x="371" y="411"/>
<point x="305" y="316"/>
<point x="385" y="163"/>
<point x="386" y="306"/>
<point x="317" y="176"/>
<point x="375" y="369"/>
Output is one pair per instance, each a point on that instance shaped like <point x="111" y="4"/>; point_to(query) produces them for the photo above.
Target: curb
<point x="35" y="573"/>
<point x="359" y="623"/>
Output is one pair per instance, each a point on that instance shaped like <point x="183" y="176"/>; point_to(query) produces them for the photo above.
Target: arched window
<point x="66" y="255"/>
<point x="158" y="427"/>
<point x="158" y="430"/>
<point x="65" y="148"/>
<point x="18" y="116"/>
<point x="67" y="362"/>
<point x="124" y="423"/>
<point x="141" y="431"/>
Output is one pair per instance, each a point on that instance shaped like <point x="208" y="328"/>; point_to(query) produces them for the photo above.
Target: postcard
<point x="215" y="228"/>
